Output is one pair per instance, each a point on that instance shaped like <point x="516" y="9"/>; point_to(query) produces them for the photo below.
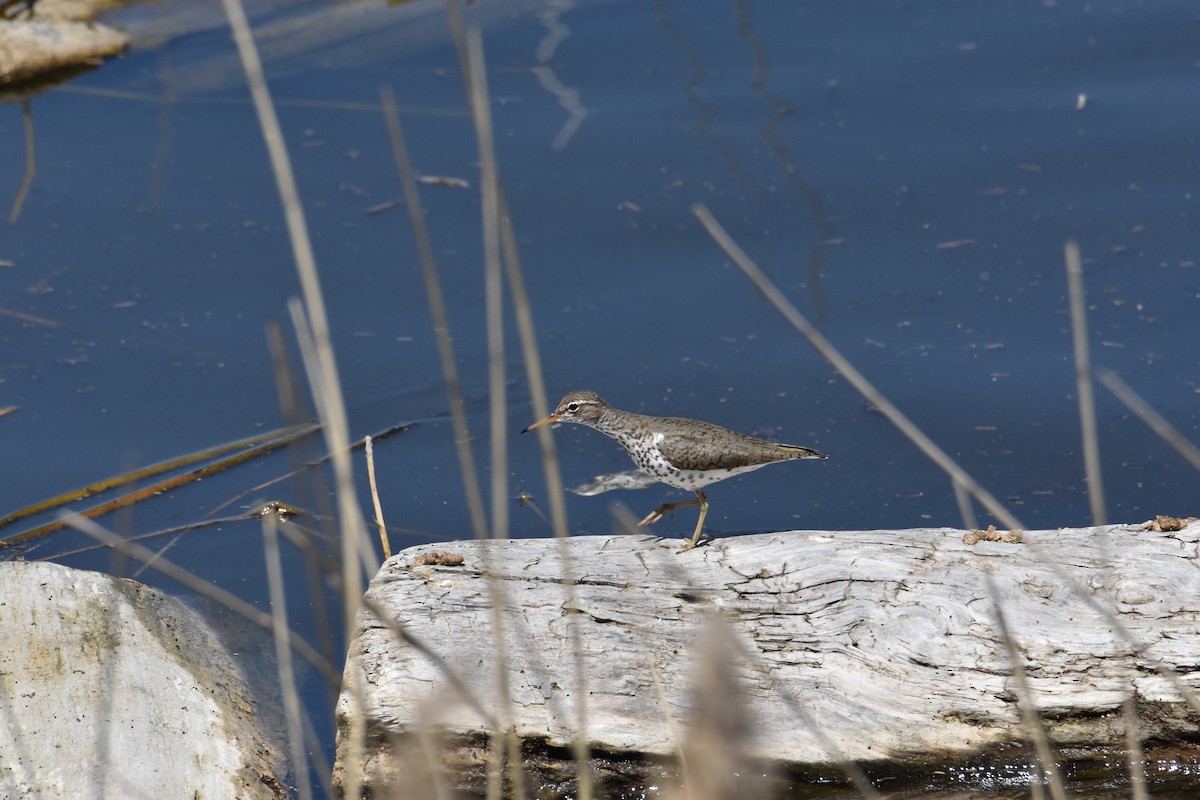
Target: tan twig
<point x="458" y="413"/>
<point x="553" y="476"/>
<point x="383" y="534"/>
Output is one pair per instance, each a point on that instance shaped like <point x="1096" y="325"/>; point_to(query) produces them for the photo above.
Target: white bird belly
<point x="692" y="479"/>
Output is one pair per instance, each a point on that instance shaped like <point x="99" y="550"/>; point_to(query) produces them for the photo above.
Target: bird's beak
<point x="540" y="423"/>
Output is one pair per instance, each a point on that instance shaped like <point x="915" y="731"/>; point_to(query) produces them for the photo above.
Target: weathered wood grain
<point x="884" y="640"/>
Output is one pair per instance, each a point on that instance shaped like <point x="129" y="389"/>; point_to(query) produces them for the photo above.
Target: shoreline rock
<point x="109" y="688"/>
<point x="60" y="38"/>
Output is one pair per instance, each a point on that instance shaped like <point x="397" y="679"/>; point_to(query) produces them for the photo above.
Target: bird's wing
<point x="704" y="446"/>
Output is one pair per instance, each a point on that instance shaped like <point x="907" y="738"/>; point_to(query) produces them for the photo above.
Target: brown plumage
<point x="684" y="453"/>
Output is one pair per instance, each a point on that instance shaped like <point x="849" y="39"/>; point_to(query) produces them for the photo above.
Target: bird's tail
<point x="796" y="451"/>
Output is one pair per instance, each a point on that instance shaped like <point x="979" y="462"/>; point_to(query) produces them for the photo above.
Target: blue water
<point x="153" y="241"/>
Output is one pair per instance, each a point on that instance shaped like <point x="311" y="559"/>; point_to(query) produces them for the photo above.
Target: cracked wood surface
<point x="886" y="640"/>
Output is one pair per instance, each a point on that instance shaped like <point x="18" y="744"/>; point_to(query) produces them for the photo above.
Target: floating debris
<point x="439" y="180"/>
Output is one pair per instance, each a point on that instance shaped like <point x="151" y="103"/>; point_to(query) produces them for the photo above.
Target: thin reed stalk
<point x="849" y="372"/>
<point x="493" y="281"/>
<point x="458" y="412"/>
<point x="316" y="379"/>
<point x="1083" y="384"/>
<point x="1157" y="422"/>
<point x="554" y="490"/>
<point x="379" y="523"/>
<point x="932" y="451"/>
<point x="472" y="64"/>
<point x="283" y="660"/>
<point x="18" y="202"/>
<point x="324" y="379"/>
<point x="153" y="490"/>
<point x="441" y="321"/>
<point x="494" y="300"/>
<point x="285" y="435"/>
<point x="1133" y="748"/>
<point x="1029" y="715"/>
<point x="963" y="499"/>
<point x="203" y="587"/>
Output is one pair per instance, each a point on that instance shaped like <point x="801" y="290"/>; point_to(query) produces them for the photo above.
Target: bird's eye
<point x="573" y="407"/>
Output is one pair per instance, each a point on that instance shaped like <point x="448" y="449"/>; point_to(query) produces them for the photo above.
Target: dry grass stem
<point x="494" y="300"/>
<point x="493" y="282"/>
<point x="939" y="457"/>
<point x="1135" y="754"/>
<point x="271" y="440"/>
<point x="283" y="657"/>
<point x="1157" y="423"/>
<point x="441" y="324"/>
<point x="1083" y="384"/>
<point x="30" y="163"/>
<point x="458" y="410"/>
<point x="127" y="500"/>
<point x="363" y="561"/>
<point x="963" y="499"/>
<point x="383" y="534"/>
<point x="554" y="489"/>
<point x="850" y="373"/>
<point x="458" y="414"/>
<point x="1029" y="714"/>
<point x="323" y="380"/>
<point x="201" y="586"/>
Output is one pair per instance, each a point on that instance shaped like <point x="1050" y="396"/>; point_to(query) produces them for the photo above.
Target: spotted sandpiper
<point x="684" y="453"/>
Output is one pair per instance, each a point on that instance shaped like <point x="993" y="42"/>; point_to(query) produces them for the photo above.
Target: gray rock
<point x="110" y="689"/>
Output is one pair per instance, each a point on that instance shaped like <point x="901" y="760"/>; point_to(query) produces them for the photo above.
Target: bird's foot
<point x="658" y="513"/>
<point x="692" y="543"/>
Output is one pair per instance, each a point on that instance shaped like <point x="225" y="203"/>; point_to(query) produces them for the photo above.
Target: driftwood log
<point x="869" y="646"/>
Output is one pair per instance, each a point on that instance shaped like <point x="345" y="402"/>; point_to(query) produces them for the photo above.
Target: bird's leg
<point x="669" y="508"/>
<point x="699" y="523"/>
